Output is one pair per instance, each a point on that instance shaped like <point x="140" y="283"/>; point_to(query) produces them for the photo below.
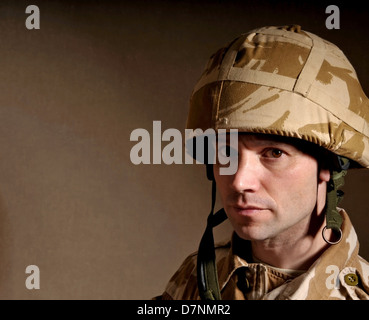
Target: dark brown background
<point x="71" y="202"/>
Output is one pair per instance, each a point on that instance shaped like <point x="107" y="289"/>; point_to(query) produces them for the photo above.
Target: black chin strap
<point x="334" y="196"/>
<point x="207" y="276"/>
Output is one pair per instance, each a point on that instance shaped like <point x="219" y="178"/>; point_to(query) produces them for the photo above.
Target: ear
<point x="324" y="175"/>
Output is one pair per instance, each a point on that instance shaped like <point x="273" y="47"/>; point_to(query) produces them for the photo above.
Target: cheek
<point x="299" y="185"/>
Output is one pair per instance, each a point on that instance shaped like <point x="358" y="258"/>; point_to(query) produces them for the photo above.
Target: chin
<point x="247" y="233"/>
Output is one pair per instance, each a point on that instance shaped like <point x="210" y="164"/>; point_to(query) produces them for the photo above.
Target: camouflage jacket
<point x="339" y="273"/>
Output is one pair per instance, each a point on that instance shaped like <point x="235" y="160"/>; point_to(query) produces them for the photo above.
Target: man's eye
<point x="274" y="153"/>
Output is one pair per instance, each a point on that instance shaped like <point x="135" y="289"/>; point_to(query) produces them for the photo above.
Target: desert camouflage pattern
<point x="288" y="82"/>
<point x="338" y="274"/>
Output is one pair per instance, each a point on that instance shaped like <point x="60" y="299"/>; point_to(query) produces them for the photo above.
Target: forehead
<point x="261" y="139"/>
<point x="264" y="139"/>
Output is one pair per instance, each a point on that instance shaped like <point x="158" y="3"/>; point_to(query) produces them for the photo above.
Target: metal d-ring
<point x="332" y="242"/>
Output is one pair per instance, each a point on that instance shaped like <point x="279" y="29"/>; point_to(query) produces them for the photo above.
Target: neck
<point x="296" y="252"/>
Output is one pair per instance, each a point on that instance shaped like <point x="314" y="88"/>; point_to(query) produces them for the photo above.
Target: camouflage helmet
<point x="288" y="82"/>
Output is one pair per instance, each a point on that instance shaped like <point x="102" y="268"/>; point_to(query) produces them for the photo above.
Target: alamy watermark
<point x="209" y="146"/>
<point x="33" y="280"/>
<point x="33" y="20"/>
<point x="333" y="20"/>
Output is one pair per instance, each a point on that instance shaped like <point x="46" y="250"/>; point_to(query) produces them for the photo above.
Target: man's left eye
<point x="274" y="153"/>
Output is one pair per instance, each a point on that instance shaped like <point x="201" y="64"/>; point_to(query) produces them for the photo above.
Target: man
<point x="302" y="119"/>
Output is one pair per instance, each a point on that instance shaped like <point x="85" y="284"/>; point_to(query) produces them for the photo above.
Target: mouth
<point x="248" y="210"/>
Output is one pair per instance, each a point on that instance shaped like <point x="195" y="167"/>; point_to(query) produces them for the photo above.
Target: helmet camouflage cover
<point x="287" y="82"/>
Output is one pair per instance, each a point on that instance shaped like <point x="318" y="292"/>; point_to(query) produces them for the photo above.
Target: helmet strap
<point x="334" y="197"/>
<point x="207" y="276"/>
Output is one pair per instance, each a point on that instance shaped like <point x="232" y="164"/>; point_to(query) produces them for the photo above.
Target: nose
<point x="247" y="178"/>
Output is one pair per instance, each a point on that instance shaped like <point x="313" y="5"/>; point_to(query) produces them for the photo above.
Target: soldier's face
<point x="275" y="190"/>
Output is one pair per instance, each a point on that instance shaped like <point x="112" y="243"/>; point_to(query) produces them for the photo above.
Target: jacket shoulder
<point x="183" y="284"/>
